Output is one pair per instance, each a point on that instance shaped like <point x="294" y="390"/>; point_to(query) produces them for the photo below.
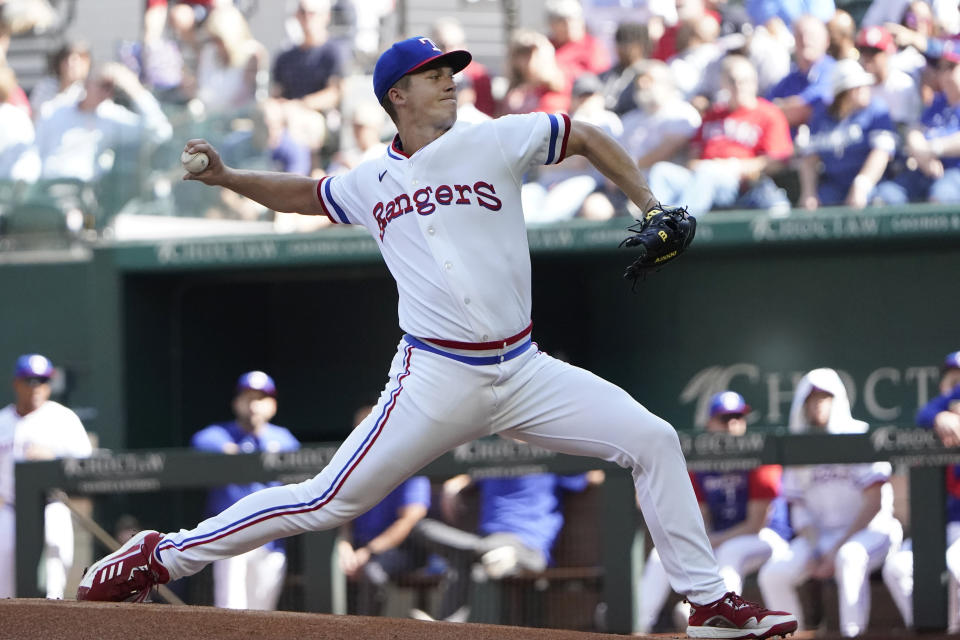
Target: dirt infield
<point x="37" y="619"/>
<point x="28" y="619"/>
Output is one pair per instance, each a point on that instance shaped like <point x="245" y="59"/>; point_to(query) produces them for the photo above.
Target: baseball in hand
<point x="194" y="162"/>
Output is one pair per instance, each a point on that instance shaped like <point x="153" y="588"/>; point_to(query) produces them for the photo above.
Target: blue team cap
<point x="257" y="381"/>
<point x="33" y="365"/>
<point x="952" y="361"/>
<point x="727" y="403"/>
<point x="409" y="55"/>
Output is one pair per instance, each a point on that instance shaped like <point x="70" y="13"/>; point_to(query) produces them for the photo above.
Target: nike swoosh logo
<point x="382" y="174"/>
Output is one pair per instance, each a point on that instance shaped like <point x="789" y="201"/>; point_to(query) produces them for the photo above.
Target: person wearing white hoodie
<point x="842" y="513"/>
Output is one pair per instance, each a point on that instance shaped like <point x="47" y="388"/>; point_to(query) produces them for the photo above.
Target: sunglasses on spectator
<point x="868" y="52"/>
<point x="36" y="381"/>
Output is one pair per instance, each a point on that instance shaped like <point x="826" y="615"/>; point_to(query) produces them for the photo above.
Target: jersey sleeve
<point x="76" y="442"/>
<point x="335" y="198"/>
<point x="793" y="484"/>
<point x="531" y="139"/>
<point x="210" y="439"/>
<point x="929" y="411"/>
<point x="882" y="134"/>
<point x="416" y="490"/>
<point x="870" y="474"/>
<point x="575" y="483"/>
<point x="764" y="482"/>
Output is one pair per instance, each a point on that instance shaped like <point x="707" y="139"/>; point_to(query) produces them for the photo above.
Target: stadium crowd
<point x="773" y="105"/>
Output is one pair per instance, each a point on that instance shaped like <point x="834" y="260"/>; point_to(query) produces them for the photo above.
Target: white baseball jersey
<point x="831" y="494"/>
<point x="52" y="427"/>
<point x="58" y="430"/>
<point x="435" y="223"/>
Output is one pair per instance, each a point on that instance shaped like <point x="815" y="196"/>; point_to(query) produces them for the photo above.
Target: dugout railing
<point x="179" y="469"/>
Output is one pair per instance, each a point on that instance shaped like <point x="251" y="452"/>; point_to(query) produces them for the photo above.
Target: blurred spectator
<point x="79" y="140"/>
<point x="448" y="35"/>
<point x="881" y="12"/>
<point x="34" y="427"/>
<point x="697" y="51"/>
<point x="841" y="31"/>
<point x="18" y="156"/>
<point x="563" y="191"/>
<point x="576" y="50"/>
<point x="30" y="16"/>
<point x="536" y="82"/>
<point x="185" y="27"/>
<point x="366" y="124"/>
<point x="744" y="528"/>
<point x="688" y="12"/>
<point x="842" y="514"/>
<point x="810" y="80"/>
<point x="894" y="87"/>
<point x="942" y="414"/>
<point x="312" y="71"/>
<point x="232" y="69"/>
<point x="632" y="45"/>
<point x="69" y="68"/>
<point x="520" y="518"/>
<point x="932" y="150"/>
<point x="17" y="96"/>
<point x="738" y="143"/>
<point x="910" y="35"/>
<point x="763" y="12"/>
<point x="267" y="143"/>
<point x="851" y="143"/>
<point x="157" y="59"/>
<point x="251" y="580"/>
<point x="663" y="123"/>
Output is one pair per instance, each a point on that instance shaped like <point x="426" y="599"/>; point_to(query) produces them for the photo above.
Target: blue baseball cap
<point x="409" y="55"/>
<point x="728" y="403"/>
<point x="952" y="361"/>
<point x="257" y="381"/>
<point x="33" y="365"/>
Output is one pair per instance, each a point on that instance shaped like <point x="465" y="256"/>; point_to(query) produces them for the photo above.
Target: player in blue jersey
<point x="379" y="547"/>
<point x="942" y="414"/>
<point x="745" y="521"/>
<point x="851" y="143"/>
<point x="520" y="519"/>
<point x="251" y="580"/>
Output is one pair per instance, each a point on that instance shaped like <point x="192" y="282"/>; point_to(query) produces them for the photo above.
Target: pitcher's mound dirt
<point x="29" y="619"/>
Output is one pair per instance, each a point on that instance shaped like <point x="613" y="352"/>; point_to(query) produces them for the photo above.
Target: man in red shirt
<point x="576" y="50"/>
<point x="737" y="146"/>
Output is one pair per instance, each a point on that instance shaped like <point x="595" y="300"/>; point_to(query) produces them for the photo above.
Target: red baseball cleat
<point x="733" y="617"/>
<point x="126" y="575"/>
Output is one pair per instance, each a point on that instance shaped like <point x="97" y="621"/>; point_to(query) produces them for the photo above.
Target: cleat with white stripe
<point x="126" y="575"/>
<point x="733" y="618"/>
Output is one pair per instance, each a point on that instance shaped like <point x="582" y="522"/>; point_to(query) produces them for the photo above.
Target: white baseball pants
<point x="737" y="557"/>
<point x="864" y="552"/>
<point x="251" y="580"/>
<point x="434" y="402"/>
<point x="898" y="576"/>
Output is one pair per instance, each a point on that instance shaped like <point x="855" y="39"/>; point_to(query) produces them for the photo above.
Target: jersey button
<point x="485" y="337"/>
<point x="448" y="265"/>
<point x="431" y="230"/>
<point x="416" y="182"/>
<point x="466" y="301"/>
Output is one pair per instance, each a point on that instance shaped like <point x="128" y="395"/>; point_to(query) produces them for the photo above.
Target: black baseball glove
<point x="661" y="236"/>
